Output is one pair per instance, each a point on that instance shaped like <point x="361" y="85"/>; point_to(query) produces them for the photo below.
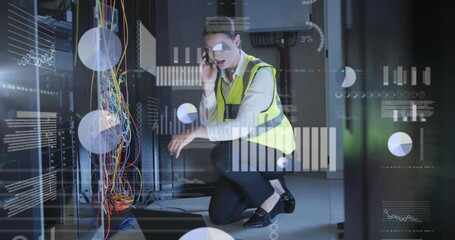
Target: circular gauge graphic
<point x="339" y="94"/>
<point x="400" y="144"/>
<point x="321" y="34"/>
<point x="187" y="113"/>
<point x="376" y="94"/>
<point x="346" y="77"/>
<point x="421" y="94"/>
<point x="100" y="131"/>
<point x="282" y="162"/>
<point x="99" y="49"/>
<point x="206" y="233"/>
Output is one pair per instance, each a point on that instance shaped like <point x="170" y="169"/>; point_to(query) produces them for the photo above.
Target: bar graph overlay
<point x="401" y="76"/>
<point x="315" y="151"/>
<point x="152" y="112"/>
<point x="146" y="49"/>
<point x="407" y="111"/>
<point x="169" y="123"/>
<point x="421" y="150"/>
<point x="178" y="76"/>
<point x="406" y="211"/>
<point x="188" y="55"/>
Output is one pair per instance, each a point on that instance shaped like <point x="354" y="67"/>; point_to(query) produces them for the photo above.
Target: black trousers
<point x="237" y="191"/>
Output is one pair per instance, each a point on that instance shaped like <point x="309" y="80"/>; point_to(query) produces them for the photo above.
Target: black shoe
<point x="289" y="201"/>
<point x="277" y="209"/>
<point x="261" y="218"/>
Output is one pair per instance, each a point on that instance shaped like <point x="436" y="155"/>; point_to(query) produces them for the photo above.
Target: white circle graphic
<point x="400" y="144"/>
<point x="282" y="162"/>
<point x="19" y="237"/>
<point x="100" y="131"/>
<point x="206" y="233"/>
<point x="187" y="113"/>
<point x="99" y="49"/>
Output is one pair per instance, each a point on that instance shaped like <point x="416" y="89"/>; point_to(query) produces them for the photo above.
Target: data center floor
<point x="320" y="206"/>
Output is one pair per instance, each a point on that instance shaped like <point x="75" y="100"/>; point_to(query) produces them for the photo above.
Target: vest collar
<point x="239" y="71"/>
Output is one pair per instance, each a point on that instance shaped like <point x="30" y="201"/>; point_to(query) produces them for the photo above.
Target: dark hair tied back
<point x="220" y="24"/>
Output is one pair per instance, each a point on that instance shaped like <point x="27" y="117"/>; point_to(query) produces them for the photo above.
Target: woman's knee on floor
<point x="219" y="217"/>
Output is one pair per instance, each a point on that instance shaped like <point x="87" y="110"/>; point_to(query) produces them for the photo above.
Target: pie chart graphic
<point x="99" y="49"/>
<point x="206" y="233"/>
<point x="400" y="144"/>
<point x="187" y="113"/>
<point x="346" y="77"/>
<point x="100" y="131"/>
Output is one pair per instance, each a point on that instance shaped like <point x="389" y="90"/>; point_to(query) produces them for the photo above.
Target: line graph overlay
<point x="406" y="211"/>
<point x="31" y="40"/>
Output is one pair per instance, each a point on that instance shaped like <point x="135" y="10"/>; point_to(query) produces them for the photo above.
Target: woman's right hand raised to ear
<point x="208" y="75"/>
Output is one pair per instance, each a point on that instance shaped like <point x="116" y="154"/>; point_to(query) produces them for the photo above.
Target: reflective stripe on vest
<point x="276" y="132"/>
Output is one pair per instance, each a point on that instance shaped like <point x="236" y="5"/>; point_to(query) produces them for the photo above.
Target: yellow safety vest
<point x="272" y="128"/>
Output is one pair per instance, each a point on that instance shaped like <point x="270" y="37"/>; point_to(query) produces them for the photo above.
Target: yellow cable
<point x="117" y="80"/>
<point x="126" y="34"/>
<point x="140" y="179"/>
<point x="91" y="89"/>
<point x="100" y="13"/>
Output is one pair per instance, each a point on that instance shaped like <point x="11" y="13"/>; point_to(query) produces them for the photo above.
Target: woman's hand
<point x="208" y="75"/>
<point x="178" y="142"/>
